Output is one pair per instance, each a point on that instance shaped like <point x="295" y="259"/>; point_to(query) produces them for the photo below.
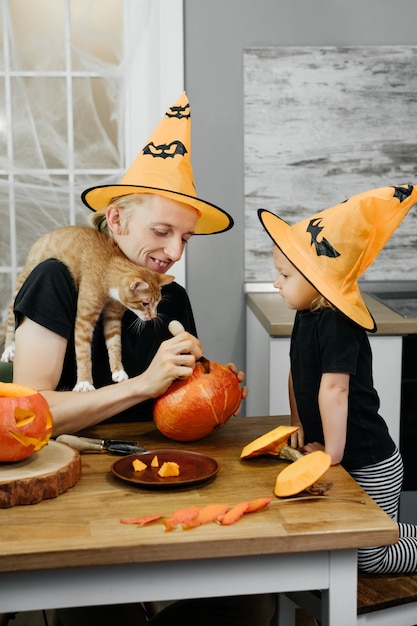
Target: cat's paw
<point x="84" y="385"/>
<point x="119" y="375"/>
<point x="8" y="354"/>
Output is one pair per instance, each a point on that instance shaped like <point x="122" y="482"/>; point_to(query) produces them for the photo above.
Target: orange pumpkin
<point x="25" y="422"/>
<point x="194" y="408"/>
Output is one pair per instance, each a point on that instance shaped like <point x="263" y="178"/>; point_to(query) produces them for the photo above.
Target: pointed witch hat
<point x="163" y="167"/>
<point x="334" y="247"/>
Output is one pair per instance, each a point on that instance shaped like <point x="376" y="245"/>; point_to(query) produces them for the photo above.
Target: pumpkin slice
<point x="301" y="474"/>
<point x="269" y="443"/>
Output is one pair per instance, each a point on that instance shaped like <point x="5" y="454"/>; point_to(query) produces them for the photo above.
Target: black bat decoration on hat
<point x="323" y="247"/>
<point x="179" y="112"/>
<point x="402" y="193"/>
<point x="164" y="150"/>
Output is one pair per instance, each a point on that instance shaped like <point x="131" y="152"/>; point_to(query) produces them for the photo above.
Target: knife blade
<point x="90" y="444"/>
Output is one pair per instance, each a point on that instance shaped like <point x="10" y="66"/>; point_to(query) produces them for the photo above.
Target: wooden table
<point x="73" y="550"/>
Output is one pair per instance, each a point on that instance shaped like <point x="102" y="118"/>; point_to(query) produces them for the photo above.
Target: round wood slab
<point x="46" y="474"/>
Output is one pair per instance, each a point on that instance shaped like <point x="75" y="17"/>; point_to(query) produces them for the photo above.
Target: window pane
<point x="96" y="33"/>
<point x="39" y="122"/>
<point x="41" y="206"/>
<point x="95" y="129"/>
<point x="38" y="34"/>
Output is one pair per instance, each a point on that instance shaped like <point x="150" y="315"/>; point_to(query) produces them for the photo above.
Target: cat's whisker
<point x="137" y="324"/>
<point x="161" y="320"/>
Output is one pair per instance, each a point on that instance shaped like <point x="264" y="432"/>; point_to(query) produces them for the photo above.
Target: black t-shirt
<point x="327" y="341"/>
<point x="49" y="298"/>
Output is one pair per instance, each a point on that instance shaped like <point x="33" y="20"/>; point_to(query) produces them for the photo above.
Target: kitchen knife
<point x="175" y="328"/>
<point x="89" y="444"/>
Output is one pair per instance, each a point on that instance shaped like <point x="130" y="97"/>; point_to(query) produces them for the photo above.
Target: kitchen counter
<point x="277" y="319"/>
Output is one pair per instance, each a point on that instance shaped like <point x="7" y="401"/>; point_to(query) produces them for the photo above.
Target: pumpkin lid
<point x="270" y="443"/>
<point x="13" y="390"/>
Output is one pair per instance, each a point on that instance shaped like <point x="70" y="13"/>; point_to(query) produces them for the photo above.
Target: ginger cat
<point x="105" y="279"/>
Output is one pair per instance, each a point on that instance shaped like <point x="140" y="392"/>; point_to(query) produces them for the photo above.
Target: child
<point x="332" y="397"/>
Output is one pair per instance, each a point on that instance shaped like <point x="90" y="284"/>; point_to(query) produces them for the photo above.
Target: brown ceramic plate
<point x="194" y="468"/>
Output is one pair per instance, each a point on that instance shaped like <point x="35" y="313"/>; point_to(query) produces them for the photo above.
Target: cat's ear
<point x="138" y="285"/>
<point x="165" y="279"/>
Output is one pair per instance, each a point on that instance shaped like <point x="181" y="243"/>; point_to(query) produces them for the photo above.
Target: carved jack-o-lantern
<point x="25" y="422"/>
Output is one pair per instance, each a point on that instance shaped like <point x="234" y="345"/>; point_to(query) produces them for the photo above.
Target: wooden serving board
<point x="46" y="474"/>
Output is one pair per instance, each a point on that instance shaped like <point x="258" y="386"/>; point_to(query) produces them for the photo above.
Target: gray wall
<point x="216" y="31"/>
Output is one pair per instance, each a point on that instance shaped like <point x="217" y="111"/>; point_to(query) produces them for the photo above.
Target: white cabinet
<point x="267" y="367"/>
<point x="387" y="359"/>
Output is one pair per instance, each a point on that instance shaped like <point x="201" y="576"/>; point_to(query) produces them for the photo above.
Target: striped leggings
<point x="382" y="482"/>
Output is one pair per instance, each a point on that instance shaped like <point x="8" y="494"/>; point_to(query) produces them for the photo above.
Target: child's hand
<point x="313" y="447"/>
<point x="297" y="438"/>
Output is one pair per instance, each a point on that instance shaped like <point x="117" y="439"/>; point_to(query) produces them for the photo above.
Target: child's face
<point x="295" y="290"/>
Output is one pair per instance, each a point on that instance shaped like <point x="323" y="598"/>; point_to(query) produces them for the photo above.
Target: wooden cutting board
<point x="46" y="474"/>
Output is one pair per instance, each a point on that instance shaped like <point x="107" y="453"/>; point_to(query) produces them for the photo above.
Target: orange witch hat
<point x="334" y="247"/>
<point x="163" y="167"/>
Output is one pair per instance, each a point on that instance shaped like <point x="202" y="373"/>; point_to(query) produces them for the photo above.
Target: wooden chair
<point x="382" y="600"/>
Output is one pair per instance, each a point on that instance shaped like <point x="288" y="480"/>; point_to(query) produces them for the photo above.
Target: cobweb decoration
<point x="61" y="116"/>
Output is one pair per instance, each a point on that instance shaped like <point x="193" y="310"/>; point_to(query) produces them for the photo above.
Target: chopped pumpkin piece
<point x="232" y="515"/>
<point x="257" y="504"/>
<point x="270" y="443"/>
<point x="182" y="516"/>
<point x="209" y="513"/>
<point x="302" y="474"/>
<point x="168" y="469"/>
<point x="241" y="508"/>
<point x="155" y="462"/>
<point x="138" y="465"/>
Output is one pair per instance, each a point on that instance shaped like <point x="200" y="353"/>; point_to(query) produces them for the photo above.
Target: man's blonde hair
<point x="129" y="203"/>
